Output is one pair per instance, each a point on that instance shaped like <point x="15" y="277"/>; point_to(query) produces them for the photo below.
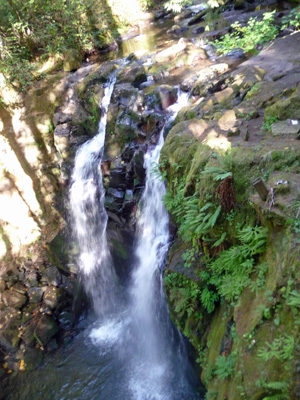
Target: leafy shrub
<point x="249" y="36"/>
<point x="292" y="20"/>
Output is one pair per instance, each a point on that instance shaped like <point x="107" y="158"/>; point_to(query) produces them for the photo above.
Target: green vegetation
<point x="292" y="20"/>
<point x="248" y="37"/>
<point x="34" y="31"/>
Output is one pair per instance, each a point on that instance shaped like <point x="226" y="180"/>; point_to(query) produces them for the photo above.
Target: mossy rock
<point x="284" y="109"/>
<point x="72" y="60"/>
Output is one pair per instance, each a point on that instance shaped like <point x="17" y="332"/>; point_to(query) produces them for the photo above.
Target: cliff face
<point x="232" y="276"/>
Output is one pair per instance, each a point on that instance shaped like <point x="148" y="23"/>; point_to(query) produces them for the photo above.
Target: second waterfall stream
<point x="132" y="323"/>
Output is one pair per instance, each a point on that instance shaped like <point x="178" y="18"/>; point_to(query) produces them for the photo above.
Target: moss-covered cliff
<point x="233" y="273"/>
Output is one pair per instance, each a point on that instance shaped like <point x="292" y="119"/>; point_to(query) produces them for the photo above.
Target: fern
<point x="221" y="240"/>
<point x="294" y="299"/>
<point x="276" y="385"/>
<point x="281" y="348"/>
<point x="225" y="366"/>
<point x="208" y="299"/>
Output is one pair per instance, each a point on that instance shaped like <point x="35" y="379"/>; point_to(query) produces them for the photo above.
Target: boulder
<point x="133" y="73"/>
<point x="72" y="60"/>
<point x="52" y="276"/>
<point x="197" y="18"/>
<point x="35" y="295"/>
<point x="165" y="95"/>
<point x="182" y="53"/>
<point x="117" y="178"/>
<point x="288" y="127"/>
<point x="53" y="296"/>
<point x="46" y="329"/>
<point x="14" y="299"/>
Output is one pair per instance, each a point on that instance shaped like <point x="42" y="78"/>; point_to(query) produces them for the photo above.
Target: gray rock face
<point x="288" y="127"/>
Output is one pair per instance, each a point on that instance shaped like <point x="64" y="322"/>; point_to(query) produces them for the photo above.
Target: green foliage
<point x="267" y="124"/>
<point x="249" y="36"/>
<point x="41" y="29"/>
<point x="219" y="173"/>
<point x="260" y="281"/>
<point x="230" y="272"/>
<point x="176" y="5"/>
<point x="225" y="366"/>
<point x="281" y="348"/>
<point x="185" y="293"/>
<point x="276" y="390"/>
<point x="292" y="20"/>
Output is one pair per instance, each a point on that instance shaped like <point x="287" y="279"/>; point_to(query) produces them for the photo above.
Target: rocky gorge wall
<point x="245" y="334"/>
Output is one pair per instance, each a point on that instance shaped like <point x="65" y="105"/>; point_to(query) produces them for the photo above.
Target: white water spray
<point x="87" y="196"/>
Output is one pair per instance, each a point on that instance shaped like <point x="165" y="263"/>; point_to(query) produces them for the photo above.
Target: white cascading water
<point x="89" y="218"/>
<point x="138" y="333"/>
<point x="158" y="350"/>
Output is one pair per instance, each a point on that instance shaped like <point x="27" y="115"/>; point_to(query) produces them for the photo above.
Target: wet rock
<point x="151" y="123"/>
<point x="20" y="288"/>
<point x="45" y="330"/>
<point x="35" y="295"/>
<point x="52" y="276"/>
<point x="65" y="319"/>
<point x="183" y="15"/>
<point x="165" y="95"/>
<point x="197" y="18"/>
<point x="31" y="278"/>
<point x="53" y="296"/>
<point x="32" y="358"/>
<point x="126" y="127"/>
<point x="72" y="60"/>
<point x="128" y="152"/>
<point x="13" y="299"/>
<point x="124" y="94"/>
<point x="138" y="165"/>
<point x="199" y="30"/>
<point x="116" y="194"/>
<point x="28" y="334"/>
<point x="177" y="30"/>
<point x="133" y="73"/>
<point x="117" y="178"/>
<point x="52" y="345"/>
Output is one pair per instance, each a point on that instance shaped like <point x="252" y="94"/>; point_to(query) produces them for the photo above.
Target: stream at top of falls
<point x="128" y="349"/>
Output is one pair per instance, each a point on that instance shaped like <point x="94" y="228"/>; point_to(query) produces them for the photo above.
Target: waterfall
<point x="89" y="218"/>
<point x="159" y="366"/>
<point x="136" y="331"/>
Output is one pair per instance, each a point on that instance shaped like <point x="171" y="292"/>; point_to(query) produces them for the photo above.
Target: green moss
<point x="284" y="109"/>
